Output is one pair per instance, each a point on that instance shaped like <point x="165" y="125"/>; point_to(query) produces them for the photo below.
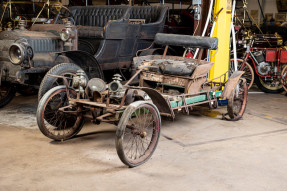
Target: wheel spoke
<point x="59" y="125"/>
<point x="140" y="137"/>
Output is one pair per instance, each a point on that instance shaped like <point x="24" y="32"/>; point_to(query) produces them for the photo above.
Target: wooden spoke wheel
<point x="138" y="133"/>
<point x="55" y="124"/>
<point x="238" y="100"/>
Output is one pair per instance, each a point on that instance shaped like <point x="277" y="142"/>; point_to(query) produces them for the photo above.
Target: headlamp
<point x="65" y="35"/>
<point x="18" y="52"/>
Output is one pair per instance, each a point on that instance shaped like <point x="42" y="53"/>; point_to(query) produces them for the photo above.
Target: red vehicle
<point x="267" y="67"/>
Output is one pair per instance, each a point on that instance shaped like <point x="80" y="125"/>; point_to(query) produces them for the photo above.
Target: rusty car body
<point x="168" y="84"/>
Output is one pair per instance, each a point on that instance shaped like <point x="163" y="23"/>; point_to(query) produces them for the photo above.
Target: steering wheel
<point x="63" y="14"/>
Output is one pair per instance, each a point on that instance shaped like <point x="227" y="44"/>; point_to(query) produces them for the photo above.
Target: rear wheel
<point x="64" y="69"/>
<point x="138" y="133"/>
<point x="7" y="93"/>
<point x="55" y="124"/>
<point x="284" y="77"/>
<point x="238" y="101"/>
<point x="247" y="68"/>
<point x="269" y="85"/>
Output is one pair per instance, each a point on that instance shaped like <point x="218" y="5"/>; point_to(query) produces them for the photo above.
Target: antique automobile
<point x="96" y="39"/>
<point x="168" y="84"/>
<point x="264" y="66"/>
<point x="260" y="40"/>
<point x="39" y="12"/>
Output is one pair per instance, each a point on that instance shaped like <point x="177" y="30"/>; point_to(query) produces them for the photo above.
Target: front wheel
<point x="56" y="124"/>
<point x="284" y="78"/>
<point x="7" y="93"/>
<point x="65" y="69"/>
<point x="247" y="68"/>
<point x="238" y="101"/>
<point x="138" y="133"/>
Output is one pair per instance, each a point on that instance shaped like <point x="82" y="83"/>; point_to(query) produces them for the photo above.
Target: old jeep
<point x="97" y="39"/>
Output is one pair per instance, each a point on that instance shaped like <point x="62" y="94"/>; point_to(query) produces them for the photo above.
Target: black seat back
<point x="151" y="14"/>
<point x="186" y="41"/>
<point x="98" y="15"/>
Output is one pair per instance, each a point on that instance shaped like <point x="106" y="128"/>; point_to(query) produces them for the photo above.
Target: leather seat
<point x="186" y="41"/>
<point x="97" y="15"/>
<point x="149" y="13"/>
<point x="91" y="20"/>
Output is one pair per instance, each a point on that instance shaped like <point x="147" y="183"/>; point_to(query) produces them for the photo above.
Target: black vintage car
<point x="96" y="39"/>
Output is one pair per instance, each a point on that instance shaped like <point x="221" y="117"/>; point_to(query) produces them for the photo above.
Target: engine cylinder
<point x="259" y="56"/>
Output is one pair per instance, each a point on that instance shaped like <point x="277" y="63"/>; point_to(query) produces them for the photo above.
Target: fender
<point x="158" y="100"/>
<point x="86" y="61"/>
<point x="231" y="84"/>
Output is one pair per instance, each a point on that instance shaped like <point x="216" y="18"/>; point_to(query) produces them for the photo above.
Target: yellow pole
<point x="222" y="32"/>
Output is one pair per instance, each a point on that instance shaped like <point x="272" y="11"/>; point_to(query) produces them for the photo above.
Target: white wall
<point x="269" y="6"/>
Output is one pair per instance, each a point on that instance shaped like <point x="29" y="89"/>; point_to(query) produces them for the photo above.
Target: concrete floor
<point x="194" y="153"/>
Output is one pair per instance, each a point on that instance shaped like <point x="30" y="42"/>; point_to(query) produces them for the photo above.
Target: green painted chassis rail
<point x="195" y="99"/>
<point x="189" y="100"/>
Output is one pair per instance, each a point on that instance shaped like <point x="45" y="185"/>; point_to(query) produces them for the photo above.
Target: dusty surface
<point x="194" y="153"/>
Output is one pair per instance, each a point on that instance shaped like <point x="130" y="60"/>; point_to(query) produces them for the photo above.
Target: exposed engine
<point x="263" y="67"/>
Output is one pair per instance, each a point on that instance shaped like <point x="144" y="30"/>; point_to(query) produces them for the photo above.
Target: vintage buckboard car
<point x="167" y="85"/>
<point x="98" y="39"/>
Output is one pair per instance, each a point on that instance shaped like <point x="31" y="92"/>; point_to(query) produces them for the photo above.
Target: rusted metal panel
<point x="231" y="84"/>
<point x="164" y="79"/>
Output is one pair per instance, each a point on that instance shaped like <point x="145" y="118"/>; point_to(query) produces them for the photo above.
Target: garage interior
<point x="202" y="145"/>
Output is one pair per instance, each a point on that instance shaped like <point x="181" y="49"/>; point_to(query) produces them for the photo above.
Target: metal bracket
<point x="196" y="2"/>
<point x="197" y="11"/>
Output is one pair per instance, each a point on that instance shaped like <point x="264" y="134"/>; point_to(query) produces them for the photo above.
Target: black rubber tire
<point x="40" y="115"/>
<point x="49" y="82"/>
<point x="122" y="132"/>
<point x="9" y="96"/>
<point x="265" y="89"/>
